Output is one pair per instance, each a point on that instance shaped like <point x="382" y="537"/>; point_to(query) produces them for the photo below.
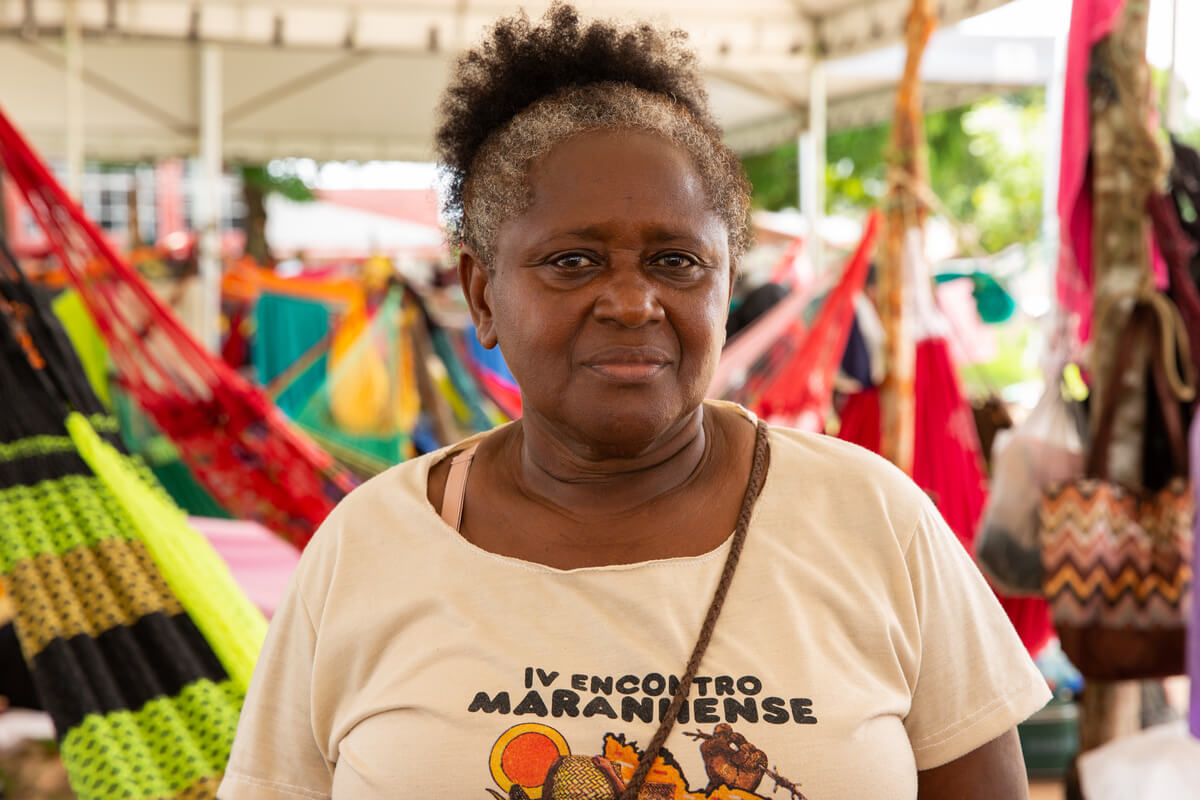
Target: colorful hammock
<point x="370" y="382"/>
<point x="491" y="374"/>
<point x="236" y="443"/>
<point x="365" y="408"/>
<point x="790" y="380"/>
<point x="139" y="644"/>
<point x="470" y="407"/>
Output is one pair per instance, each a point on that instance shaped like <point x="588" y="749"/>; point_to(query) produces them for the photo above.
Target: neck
<point x="583" y="482"/>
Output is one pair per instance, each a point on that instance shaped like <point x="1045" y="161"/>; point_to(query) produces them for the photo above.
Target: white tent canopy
<point x="359" y="80"/>
<point x="254" y="80"/>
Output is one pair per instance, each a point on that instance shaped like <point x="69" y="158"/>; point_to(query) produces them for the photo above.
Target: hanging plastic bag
<point x="1045" y="449"/>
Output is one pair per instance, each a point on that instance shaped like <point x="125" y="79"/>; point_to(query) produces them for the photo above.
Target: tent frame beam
<point x="113" y="90"/>
<point x="73" y="73"/>
<point x="294" y="86"/>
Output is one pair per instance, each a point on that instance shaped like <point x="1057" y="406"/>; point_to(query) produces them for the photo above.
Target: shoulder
<point x="843" y="484"/>
<point x="388" y="519"/>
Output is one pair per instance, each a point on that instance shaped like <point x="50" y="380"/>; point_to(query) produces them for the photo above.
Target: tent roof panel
<point x="360" y="80"/>
<point x="720" y="27"/>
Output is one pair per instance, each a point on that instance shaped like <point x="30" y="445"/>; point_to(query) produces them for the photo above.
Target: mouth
<point x="628" y="364"/>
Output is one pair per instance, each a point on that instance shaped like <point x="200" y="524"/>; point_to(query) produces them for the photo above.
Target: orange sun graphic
<point x="524" y="754"/>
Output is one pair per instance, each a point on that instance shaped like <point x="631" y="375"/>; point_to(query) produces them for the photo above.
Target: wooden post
<point x="1128" y="162"/>
<point x="905" y="215"/>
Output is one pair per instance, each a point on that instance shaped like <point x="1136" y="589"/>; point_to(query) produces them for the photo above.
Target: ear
<point x="476" y="281"/>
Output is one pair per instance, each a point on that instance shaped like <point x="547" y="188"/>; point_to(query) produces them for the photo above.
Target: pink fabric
<point x="1158" y="264"/>
<point x="261" y="562"/>
<point x="1091" y="20"/>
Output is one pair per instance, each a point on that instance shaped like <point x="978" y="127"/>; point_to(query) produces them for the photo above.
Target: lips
<point x="628" y="364"/>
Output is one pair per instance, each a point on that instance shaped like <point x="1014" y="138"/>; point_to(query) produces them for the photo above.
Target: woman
<point x="514" y="614"/>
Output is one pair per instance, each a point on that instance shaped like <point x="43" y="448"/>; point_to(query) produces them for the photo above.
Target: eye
<point x="574" y="261"/>
<point x="675" y="261"/>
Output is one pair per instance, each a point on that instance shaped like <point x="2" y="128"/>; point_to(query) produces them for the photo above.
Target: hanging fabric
<point x="144" y="702"/>
<point x="87" y="341"/>
<point x="491" y="374"/>
<point x="367" y="405"/>
<point x="791" y="382"/>
<point x="471" y="408"/>
<point x="237" y="444"/>
<point x="947" y="461"/>
<point x="286" y="327"/>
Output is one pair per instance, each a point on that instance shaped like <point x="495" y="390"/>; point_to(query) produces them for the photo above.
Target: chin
<point x="628" y="429"/>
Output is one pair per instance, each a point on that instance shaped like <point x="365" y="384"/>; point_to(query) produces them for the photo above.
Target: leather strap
<point x="455" y="495"/>
<point x="1169" y="402"/>
<point x="758" y="475"/>
<point x="1144" y="321"/>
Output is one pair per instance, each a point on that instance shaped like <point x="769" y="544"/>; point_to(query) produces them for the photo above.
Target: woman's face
<point x="608" y="296"/>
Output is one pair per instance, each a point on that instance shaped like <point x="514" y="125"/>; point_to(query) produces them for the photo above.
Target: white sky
<point x="1019" y="17"/>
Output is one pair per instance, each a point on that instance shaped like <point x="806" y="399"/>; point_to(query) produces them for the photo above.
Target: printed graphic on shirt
<point x="532" y="761"/>
<point x="713" y="699"/>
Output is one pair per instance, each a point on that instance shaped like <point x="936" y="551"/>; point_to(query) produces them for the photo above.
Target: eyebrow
<point x="655" y="234"/>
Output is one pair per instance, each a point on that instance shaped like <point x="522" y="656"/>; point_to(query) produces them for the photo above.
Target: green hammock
<point x="138" y="640"/>
<point x="367" y="450"/>
<point x="397" y="350"/>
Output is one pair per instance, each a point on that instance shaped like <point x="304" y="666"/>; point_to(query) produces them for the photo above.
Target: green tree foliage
<point x="985" y="164"/>
<point x="277" y="181"/>
<point x="258" y="181"/>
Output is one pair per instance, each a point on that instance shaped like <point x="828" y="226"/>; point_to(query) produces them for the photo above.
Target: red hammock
<point x="791" y="383"/>
<point x="236" y="443"/>
<point x="947" y="463"/>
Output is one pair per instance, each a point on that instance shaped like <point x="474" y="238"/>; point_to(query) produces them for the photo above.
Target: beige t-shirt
<point x="858" y="645"/>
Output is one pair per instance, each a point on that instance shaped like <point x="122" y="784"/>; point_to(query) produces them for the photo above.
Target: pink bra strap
<point x="455" y="495"/>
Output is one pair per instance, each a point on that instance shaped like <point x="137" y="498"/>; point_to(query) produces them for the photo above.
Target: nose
<point x="628" y="297"/>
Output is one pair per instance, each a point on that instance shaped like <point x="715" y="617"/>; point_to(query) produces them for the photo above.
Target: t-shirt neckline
<point x="445" y="530"/>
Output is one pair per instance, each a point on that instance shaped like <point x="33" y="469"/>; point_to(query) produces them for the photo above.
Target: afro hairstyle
<point x="528" y="87"/>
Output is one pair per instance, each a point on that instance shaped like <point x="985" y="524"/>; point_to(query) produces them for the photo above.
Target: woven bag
<point x="1117" y="561"/>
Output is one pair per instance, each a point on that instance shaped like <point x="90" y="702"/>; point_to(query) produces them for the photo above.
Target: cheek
<point x="707" y="323"/>
<point x="531" y="334"/>
<point x="701" y="333"/>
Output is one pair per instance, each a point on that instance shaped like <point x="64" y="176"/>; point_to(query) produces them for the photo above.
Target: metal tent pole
<point x="208" y="195"/>
<point x="812" y="164"/>
<point x="73" y="53"/>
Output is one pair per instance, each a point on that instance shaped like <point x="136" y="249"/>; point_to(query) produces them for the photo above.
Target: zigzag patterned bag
<point x="1117" y="562"/>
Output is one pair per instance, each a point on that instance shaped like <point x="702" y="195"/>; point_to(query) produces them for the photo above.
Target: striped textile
<point x="142" y="705"/>
<point x="1117" y="572"/>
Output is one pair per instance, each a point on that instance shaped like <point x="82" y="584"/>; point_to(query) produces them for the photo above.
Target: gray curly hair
<point x="529" y="87"/>
<point x="497" y="188"/>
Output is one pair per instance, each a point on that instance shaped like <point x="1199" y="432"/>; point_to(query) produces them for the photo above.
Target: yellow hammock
<point x="193" y="570"/>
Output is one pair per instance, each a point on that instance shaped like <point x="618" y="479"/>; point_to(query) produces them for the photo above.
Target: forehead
<point x="617" y="173"/>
